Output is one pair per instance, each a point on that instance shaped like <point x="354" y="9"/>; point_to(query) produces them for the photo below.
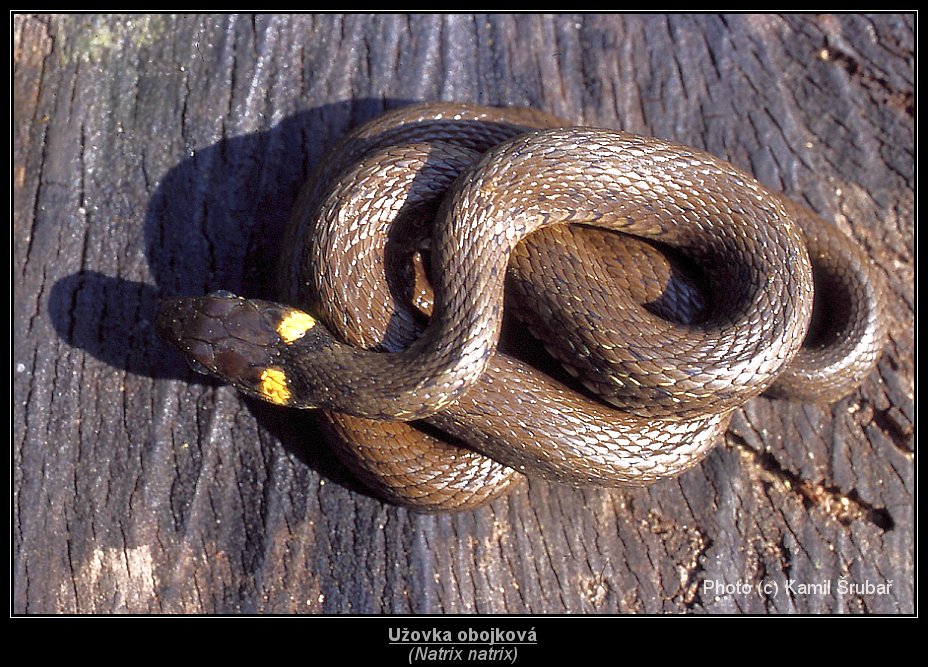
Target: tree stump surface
<point x="160" y="155"/>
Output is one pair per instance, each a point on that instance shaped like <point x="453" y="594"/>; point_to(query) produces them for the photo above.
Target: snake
<point x="671" y="286"/>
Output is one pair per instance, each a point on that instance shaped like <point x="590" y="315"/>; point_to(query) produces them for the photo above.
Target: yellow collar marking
<point x="294" y="324"/>
<point x="273" y="386"/>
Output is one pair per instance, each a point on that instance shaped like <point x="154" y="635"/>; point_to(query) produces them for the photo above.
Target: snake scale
<point x="671" y="286"/>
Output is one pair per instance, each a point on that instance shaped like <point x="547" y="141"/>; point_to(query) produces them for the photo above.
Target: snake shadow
<point x="214" y="222"/>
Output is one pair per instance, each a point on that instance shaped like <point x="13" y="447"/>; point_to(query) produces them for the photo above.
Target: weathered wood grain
<point x="161" y="154"/>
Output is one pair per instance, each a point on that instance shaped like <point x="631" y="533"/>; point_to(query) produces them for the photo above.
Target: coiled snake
<point x="668" y="368"/>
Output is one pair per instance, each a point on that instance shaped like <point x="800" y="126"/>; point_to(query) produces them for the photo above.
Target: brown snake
<point x="671" y="371"/>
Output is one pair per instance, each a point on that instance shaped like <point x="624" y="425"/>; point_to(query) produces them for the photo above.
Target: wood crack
<point x="844" y="507"/>
<point x="877" y="86"/>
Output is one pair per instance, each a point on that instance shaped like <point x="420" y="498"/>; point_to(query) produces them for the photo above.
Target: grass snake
<point x="664" y="342"/>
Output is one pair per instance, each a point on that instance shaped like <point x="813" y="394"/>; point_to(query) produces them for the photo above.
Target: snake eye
<point x="198" y="367"/>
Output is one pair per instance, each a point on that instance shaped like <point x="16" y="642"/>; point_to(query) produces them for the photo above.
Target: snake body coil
<point x="491" y="179"/>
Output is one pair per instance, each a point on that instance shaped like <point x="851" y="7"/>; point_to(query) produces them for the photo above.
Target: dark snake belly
<point x="671" y="380"/>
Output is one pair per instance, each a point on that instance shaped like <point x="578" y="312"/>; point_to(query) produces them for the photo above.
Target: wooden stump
<point x="158" y="155"/>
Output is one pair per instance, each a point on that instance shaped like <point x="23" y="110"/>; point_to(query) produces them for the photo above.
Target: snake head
<point x="245" y="342"/>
